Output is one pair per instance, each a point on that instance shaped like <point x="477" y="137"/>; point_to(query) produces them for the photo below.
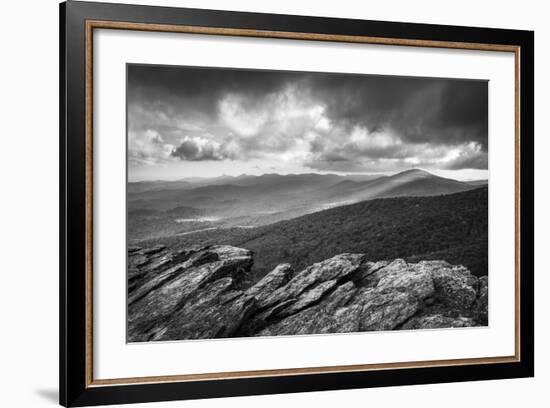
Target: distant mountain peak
<point x="418" y="172"/>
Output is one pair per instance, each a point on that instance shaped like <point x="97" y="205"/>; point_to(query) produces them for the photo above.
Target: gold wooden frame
<point x="99" y="24"/>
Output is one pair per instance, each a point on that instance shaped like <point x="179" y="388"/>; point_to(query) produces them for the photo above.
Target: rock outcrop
<point x="198" y="293"/>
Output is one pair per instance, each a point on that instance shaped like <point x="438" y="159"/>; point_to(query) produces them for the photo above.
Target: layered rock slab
<point x="195" y="293"/>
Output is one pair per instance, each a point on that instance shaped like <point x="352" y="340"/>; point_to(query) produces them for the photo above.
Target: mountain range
<point x="159" y="208"/>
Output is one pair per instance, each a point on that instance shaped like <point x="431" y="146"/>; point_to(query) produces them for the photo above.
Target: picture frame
<point x="78" y="23"/>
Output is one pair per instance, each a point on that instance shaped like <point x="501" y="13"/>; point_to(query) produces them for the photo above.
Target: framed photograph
<point x="256" y="204"/>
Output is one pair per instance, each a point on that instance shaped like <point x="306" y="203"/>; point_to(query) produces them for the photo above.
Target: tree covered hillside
<point x="451" y="227"/>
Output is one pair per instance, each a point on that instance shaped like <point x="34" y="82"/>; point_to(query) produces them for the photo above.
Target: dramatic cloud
<point x="324" y="122"/>
<point x="197" y="148"/>
<point x="442" y="111"/>
<point x="147" y="147"/>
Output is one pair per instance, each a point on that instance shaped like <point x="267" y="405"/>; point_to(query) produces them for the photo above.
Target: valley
<point x="164" y="208"/>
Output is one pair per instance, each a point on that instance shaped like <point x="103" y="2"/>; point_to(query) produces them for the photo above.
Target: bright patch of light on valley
<point x="198" y="219"/>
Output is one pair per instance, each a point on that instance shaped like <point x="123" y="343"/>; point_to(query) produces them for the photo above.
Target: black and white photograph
<point x="282" y="203"/>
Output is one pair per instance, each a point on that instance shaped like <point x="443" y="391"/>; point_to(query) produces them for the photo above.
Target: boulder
<point x="386" y="310"/>
<point x="270" y="282"/>
<point x="214" y="312"/>
<point x="455" y="286"/>
<point x="158" y="298"/>
<point x="307" y="298"/>
<point x="335" y="268"/>
<point x="413" y="279"/>
<point x="320" y="318"/>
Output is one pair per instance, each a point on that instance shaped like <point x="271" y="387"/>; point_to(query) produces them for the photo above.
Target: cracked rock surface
<point x="198" y="294"/>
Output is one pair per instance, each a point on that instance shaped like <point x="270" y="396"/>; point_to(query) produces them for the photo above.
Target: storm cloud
<point x="322" y="121"/>
<point x="198" y="148"/>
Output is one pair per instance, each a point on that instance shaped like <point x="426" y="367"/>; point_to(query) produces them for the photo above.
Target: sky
<point x="207" y="122"/>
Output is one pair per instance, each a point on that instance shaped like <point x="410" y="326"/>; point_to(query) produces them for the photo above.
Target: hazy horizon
<point x="460" y="175"/>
